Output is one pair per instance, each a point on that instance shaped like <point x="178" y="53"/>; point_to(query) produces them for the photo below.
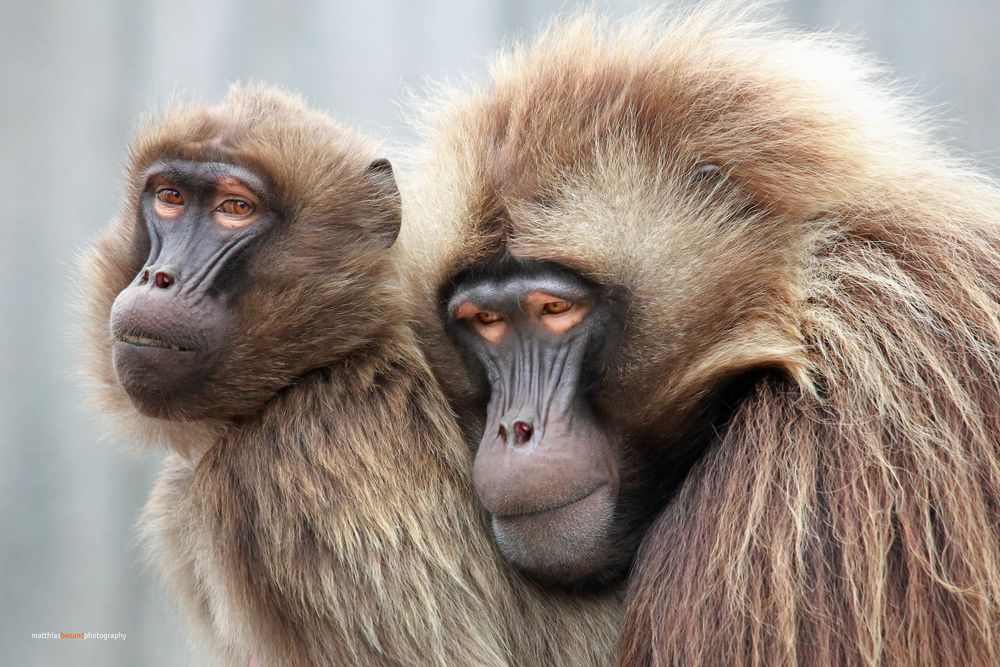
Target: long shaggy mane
<point x="848" y="511"/>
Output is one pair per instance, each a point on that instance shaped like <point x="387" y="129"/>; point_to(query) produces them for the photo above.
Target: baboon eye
<point x="487" y="317"/>
<point x="170" y="197"/>
<point x="237" y="207"/>
<point x="556" y="307"/>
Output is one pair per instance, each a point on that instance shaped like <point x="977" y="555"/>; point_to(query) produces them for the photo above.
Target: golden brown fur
<point x="848" y="267"/>
<point x="326" y="516"/>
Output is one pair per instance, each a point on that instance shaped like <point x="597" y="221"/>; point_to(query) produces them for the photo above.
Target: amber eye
<point x="486" y="317"/>
<point x="170" y="197"/>
<point x="556" y="307"/>
<point x="235" y="207"/>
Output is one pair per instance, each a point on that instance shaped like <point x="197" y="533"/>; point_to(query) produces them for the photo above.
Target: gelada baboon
<point x="716" y="289"/>
<point x="317" y="507"/>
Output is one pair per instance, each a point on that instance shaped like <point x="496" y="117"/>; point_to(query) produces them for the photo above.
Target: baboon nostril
<point x="163" y="280"/>
<point x="522" y="432"/>
<point x="503" y="432"/>
<point x="145" y="277"/>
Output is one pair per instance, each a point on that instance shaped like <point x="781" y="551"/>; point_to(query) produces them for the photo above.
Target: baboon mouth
<point x="146" y="341"/>
<point x="567" y="544"/>
<point x="531" y="512"/>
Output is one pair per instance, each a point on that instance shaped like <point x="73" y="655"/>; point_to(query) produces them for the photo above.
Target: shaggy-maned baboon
<point x="316" y="508"/>
<point x="713" y="278"/>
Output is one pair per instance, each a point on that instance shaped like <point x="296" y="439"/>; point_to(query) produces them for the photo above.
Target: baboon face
<point x="176" y="323"/>
<point x="547" y="468"/>
<point x="245" y="256"/>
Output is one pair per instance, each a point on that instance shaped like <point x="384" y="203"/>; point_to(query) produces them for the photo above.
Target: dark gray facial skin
<point x="171" y="323"/>
<point x="548" y="469"/>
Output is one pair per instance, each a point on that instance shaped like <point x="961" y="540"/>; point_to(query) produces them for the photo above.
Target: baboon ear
<point x="388" y="203"/>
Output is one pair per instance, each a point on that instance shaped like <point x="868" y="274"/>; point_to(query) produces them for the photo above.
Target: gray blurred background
<point x="74" y="76"/>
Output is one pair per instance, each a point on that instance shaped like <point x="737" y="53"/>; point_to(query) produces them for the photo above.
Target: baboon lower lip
<point x="146" y="341"/>
<point x="545" y="510"/>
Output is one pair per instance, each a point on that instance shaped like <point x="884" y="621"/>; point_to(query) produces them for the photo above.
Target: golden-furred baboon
<point x="316" y="507"/>
<point x="710" y="283"/>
